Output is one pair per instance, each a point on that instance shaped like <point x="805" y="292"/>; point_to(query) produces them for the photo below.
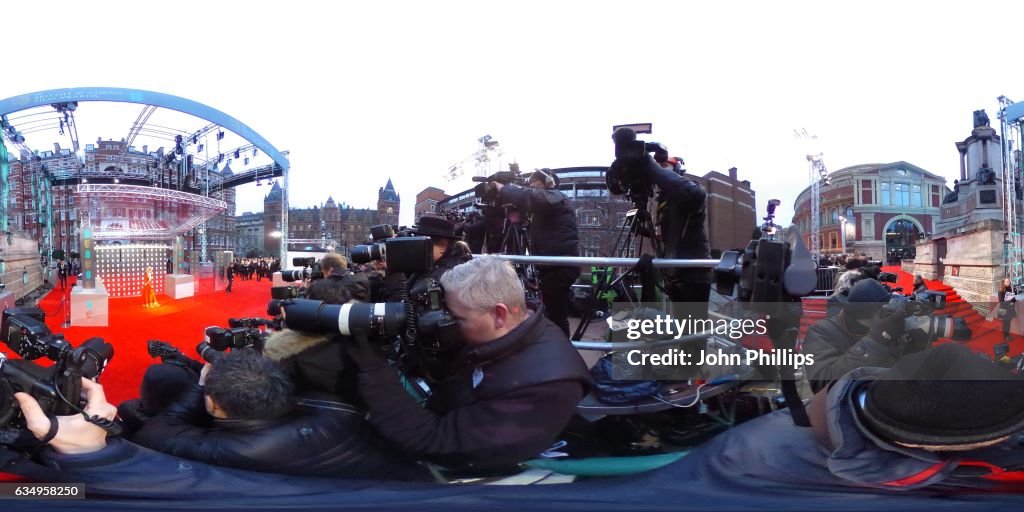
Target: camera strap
<point x="52" y="433"/>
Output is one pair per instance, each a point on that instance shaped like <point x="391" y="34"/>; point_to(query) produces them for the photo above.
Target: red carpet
<point x="985" y="334"/>
<point x="179" y="322"/>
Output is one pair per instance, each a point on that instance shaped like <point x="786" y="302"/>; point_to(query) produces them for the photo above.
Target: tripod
<point x="515" y="240"/>
<point x="638" y="225"/>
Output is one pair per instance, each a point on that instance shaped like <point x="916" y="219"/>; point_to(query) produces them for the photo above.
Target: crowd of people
<point x="886" y="414"/>
<point x="262" y="268"/>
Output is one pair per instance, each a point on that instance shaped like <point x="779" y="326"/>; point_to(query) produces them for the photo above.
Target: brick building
<point x="346" y="225"/>
<point x="874" y="208"/>
<point x="427" y="200"/>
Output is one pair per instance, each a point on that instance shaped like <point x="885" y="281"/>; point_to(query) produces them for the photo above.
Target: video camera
<point x="310" y="270"/>
<point x="922" y="327"/>
<point x="624" y="177"/>
<point x="402" y="254"/>
<point x="57" y="388"/>
<point x="381" y="232"/>
<point x="489" y="197"/>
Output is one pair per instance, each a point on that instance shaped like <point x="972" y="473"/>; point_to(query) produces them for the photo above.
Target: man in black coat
<point x="858" y="336"/>
<point x="510" y="392"/>
<point x="552" y="233"/>
<point x="244" y="414"/>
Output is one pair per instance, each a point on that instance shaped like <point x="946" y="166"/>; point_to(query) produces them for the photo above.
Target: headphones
<point x="549" y="177"/>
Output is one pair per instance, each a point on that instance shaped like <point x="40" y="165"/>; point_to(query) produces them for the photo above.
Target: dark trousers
<point x="230" y="282"/>
<point x="63" y="281"/>
<point x="555" y="284"/>
<point x="688" y="298"/>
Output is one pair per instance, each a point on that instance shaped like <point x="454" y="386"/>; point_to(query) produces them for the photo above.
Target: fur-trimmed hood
<point x="288" y="343"/>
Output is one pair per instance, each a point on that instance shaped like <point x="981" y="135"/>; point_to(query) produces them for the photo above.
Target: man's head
<point x="440" y="230"/>
<point x="333" y="263"/>
<point x="866" y="298"/>
<point x="330" y="291"/>
<point x="543" y="179"/>
<point x="946" y="398"/>
<point x="486" y="297"/>
<point x="244" y="385"/>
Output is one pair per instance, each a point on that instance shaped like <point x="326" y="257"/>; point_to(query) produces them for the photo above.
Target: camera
<point x="886" y="277"/>
<point x="624" y="177"/>
<point x="381" y="232"/>
<point x="255" y="322"/>
<point x="286" y="292"/>
<point x="489" y="197"/>
<point x="427" y="331"/>
<point x="219" y="339"/>
<point x="922" y="326"/>
<point x="57" y="388"/>
<point x="410" y="254"/>
<point x="310" y="270"/>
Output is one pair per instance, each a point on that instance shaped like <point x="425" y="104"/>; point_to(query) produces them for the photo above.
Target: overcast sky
<point x="362" y="91"/>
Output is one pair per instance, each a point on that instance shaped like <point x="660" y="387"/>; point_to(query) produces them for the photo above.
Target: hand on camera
<point x="74" y="435"/>
<point x="888" y="327"/>
<point x="496" y="186"/>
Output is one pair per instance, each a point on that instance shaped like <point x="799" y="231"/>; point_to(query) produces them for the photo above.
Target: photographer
<point x="336" y="272"/>
<point x="513" y="387"/>
<point x="244" y="413"/>
<point x="858" y="336"/>
<point x="681" y="222"/>
<point x="474" y="232"/>
<point x="447" y="253"/>
<point x="317" y="362"/>
<point x="552" y="233"/>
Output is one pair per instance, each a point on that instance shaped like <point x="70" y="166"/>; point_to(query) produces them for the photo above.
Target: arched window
<point x="849" y="213"/>
<point x="835" y="216"/>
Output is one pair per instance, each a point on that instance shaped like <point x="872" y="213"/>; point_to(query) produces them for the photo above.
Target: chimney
<point x="145" y="149"/>
<point x="732" y="173"/>
<point x="56" y="148"/>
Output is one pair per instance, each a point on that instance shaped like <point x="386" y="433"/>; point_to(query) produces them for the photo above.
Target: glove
<point x="888" y="329"/>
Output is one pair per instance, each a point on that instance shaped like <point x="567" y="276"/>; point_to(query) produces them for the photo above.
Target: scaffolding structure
<point x="1011" y="120"/>
<point x="818" y="176"/>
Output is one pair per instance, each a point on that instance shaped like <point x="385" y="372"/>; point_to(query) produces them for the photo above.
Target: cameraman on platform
<point x="862" y="334"/>
<point x="681" y="222"/>
<point x="552" y="233"/>
<point x="513" y="387"/>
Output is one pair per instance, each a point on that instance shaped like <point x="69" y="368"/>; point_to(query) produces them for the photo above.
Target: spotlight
<point x="116" y="180"/>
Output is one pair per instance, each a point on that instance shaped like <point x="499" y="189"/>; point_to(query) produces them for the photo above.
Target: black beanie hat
<point x="946" y="395"/>
<point x="865" y="299"/>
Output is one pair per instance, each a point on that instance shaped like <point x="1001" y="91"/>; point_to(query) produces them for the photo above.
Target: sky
<point x="359" y="92"/>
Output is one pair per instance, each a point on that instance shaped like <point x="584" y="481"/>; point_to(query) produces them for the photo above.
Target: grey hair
<point x="485" y="282"/>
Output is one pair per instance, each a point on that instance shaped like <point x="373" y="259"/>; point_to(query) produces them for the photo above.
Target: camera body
<point x="922" y="326"/>
<point x="487" y="195"/>
<point x="57" y="388"/>
<point x="625" y="178"/>
<point x="381" y="232"/>
<point x="218" y="339"/>
<point x="427" y="331"/>
<point x="411" y="254"/>
<point x="310" y="270"/>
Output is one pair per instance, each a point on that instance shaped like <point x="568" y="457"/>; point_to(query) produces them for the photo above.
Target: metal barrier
<point x="826" y="280"/>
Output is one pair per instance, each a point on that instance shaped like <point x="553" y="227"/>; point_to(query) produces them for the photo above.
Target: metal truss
<point x="110" y="191"/>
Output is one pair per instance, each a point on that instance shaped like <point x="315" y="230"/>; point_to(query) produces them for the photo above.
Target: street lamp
<point x="842" y="232"/>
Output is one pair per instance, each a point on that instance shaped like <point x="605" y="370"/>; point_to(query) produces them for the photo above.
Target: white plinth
<point x="277" y="281"/>
<point x="90" y="307"/>
<point x="179" y="286"/>
<point x="206" y="270"/>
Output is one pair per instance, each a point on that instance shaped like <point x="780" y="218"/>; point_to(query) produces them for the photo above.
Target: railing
<point x="826" y="280"/>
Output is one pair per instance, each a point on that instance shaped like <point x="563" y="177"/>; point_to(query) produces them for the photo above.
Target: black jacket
<point x="315" y="362"/>
<point x="506" y="402"/>
<point x="321" y="437"/>
<point x="475" y="233"/>
<point x="553" y="225"/>
<point x="454" y="256"/>
<point x="838" y="351"/>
